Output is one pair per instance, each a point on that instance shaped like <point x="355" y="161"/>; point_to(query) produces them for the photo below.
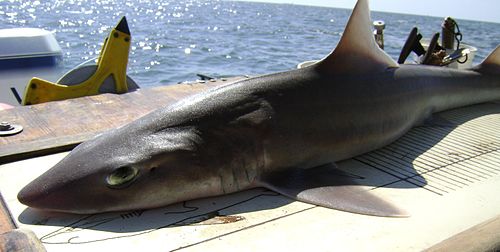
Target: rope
<point x="458" y="37"/>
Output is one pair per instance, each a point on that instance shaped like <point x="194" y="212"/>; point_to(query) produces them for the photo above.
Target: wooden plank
<point x="6" y="222"/>
<point x="482" y="237"/>
<point x="20" y="240"/>
<point x="57" y="126"/>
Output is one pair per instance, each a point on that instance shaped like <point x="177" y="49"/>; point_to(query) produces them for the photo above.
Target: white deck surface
<point x="448" y="179"/>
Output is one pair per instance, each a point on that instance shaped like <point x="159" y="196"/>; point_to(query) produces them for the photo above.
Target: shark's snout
<point x="79" y="196"/>
<point x="41" y="194"/>
<point x="30" y="195"/>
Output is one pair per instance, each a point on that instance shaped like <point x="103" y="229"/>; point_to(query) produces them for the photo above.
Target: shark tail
<point x="491" y="65"/>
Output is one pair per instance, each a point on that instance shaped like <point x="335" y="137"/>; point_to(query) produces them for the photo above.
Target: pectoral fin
<point x="329" y="187"/>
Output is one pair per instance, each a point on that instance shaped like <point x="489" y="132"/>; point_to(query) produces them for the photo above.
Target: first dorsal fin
<point x="357" y="52"/>
<point x="491" y="65"/>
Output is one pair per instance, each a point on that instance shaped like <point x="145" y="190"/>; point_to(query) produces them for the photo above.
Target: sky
<point x="481" y="10"/>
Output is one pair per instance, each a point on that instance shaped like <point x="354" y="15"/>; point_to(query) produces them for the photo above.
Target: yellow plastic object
<point x="112" y="61"/>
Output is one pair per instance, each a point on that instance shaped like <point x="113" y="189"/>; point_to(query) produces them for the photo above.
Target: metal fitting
<point x="7" y="129"/>
<point x="379" y="26"/>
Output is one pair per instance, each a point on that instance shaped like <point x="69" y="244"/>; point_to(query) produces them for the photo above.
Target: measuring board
<point x="447" y="178"/>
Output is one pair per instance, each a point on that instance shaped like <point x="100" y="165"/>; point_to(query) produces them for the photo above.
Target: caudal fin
<point x="491" y="65"/>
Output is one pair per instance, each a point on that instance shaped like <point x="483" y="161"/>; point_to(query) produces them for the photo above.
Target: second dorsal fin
<point x="357" y="52"/>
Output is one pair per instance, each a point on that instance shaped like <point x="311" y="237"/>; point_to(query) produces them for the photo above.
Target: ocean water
<point x="172" y="41"/>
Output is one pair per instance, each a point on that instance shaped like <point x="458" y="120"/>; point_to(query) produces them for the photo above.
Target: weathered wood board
<point x="6" y="222"/>
<point x="21" y="240"/>
<point x="447" y="178"/>
<point x="56" y="126"/>
<point x="482" y="237"/>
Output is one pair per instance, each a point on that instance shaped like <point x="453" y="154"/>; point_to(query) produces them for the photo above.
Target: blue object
<point x="30" y="62"/>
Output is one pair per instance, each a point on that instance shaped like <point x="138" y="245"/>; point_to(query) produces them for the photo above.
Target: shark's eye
<point x="121" y="177"/>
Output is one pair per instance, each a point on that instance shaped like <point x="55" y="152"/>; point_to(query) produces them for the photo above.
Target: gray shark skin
<point x="278" y="131"/>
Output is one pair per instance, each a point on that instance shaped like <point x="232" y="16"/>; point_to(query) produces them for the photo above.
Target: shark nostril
<point x="153" y="169"/>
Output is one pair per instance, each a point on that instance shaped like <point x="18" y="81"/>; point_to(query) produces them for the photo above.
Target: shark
<point x="284" y="131"/>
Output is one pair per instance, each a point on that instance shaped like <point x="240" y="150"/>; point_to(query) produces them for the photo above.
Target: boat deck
<point x="447" y="178"/>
